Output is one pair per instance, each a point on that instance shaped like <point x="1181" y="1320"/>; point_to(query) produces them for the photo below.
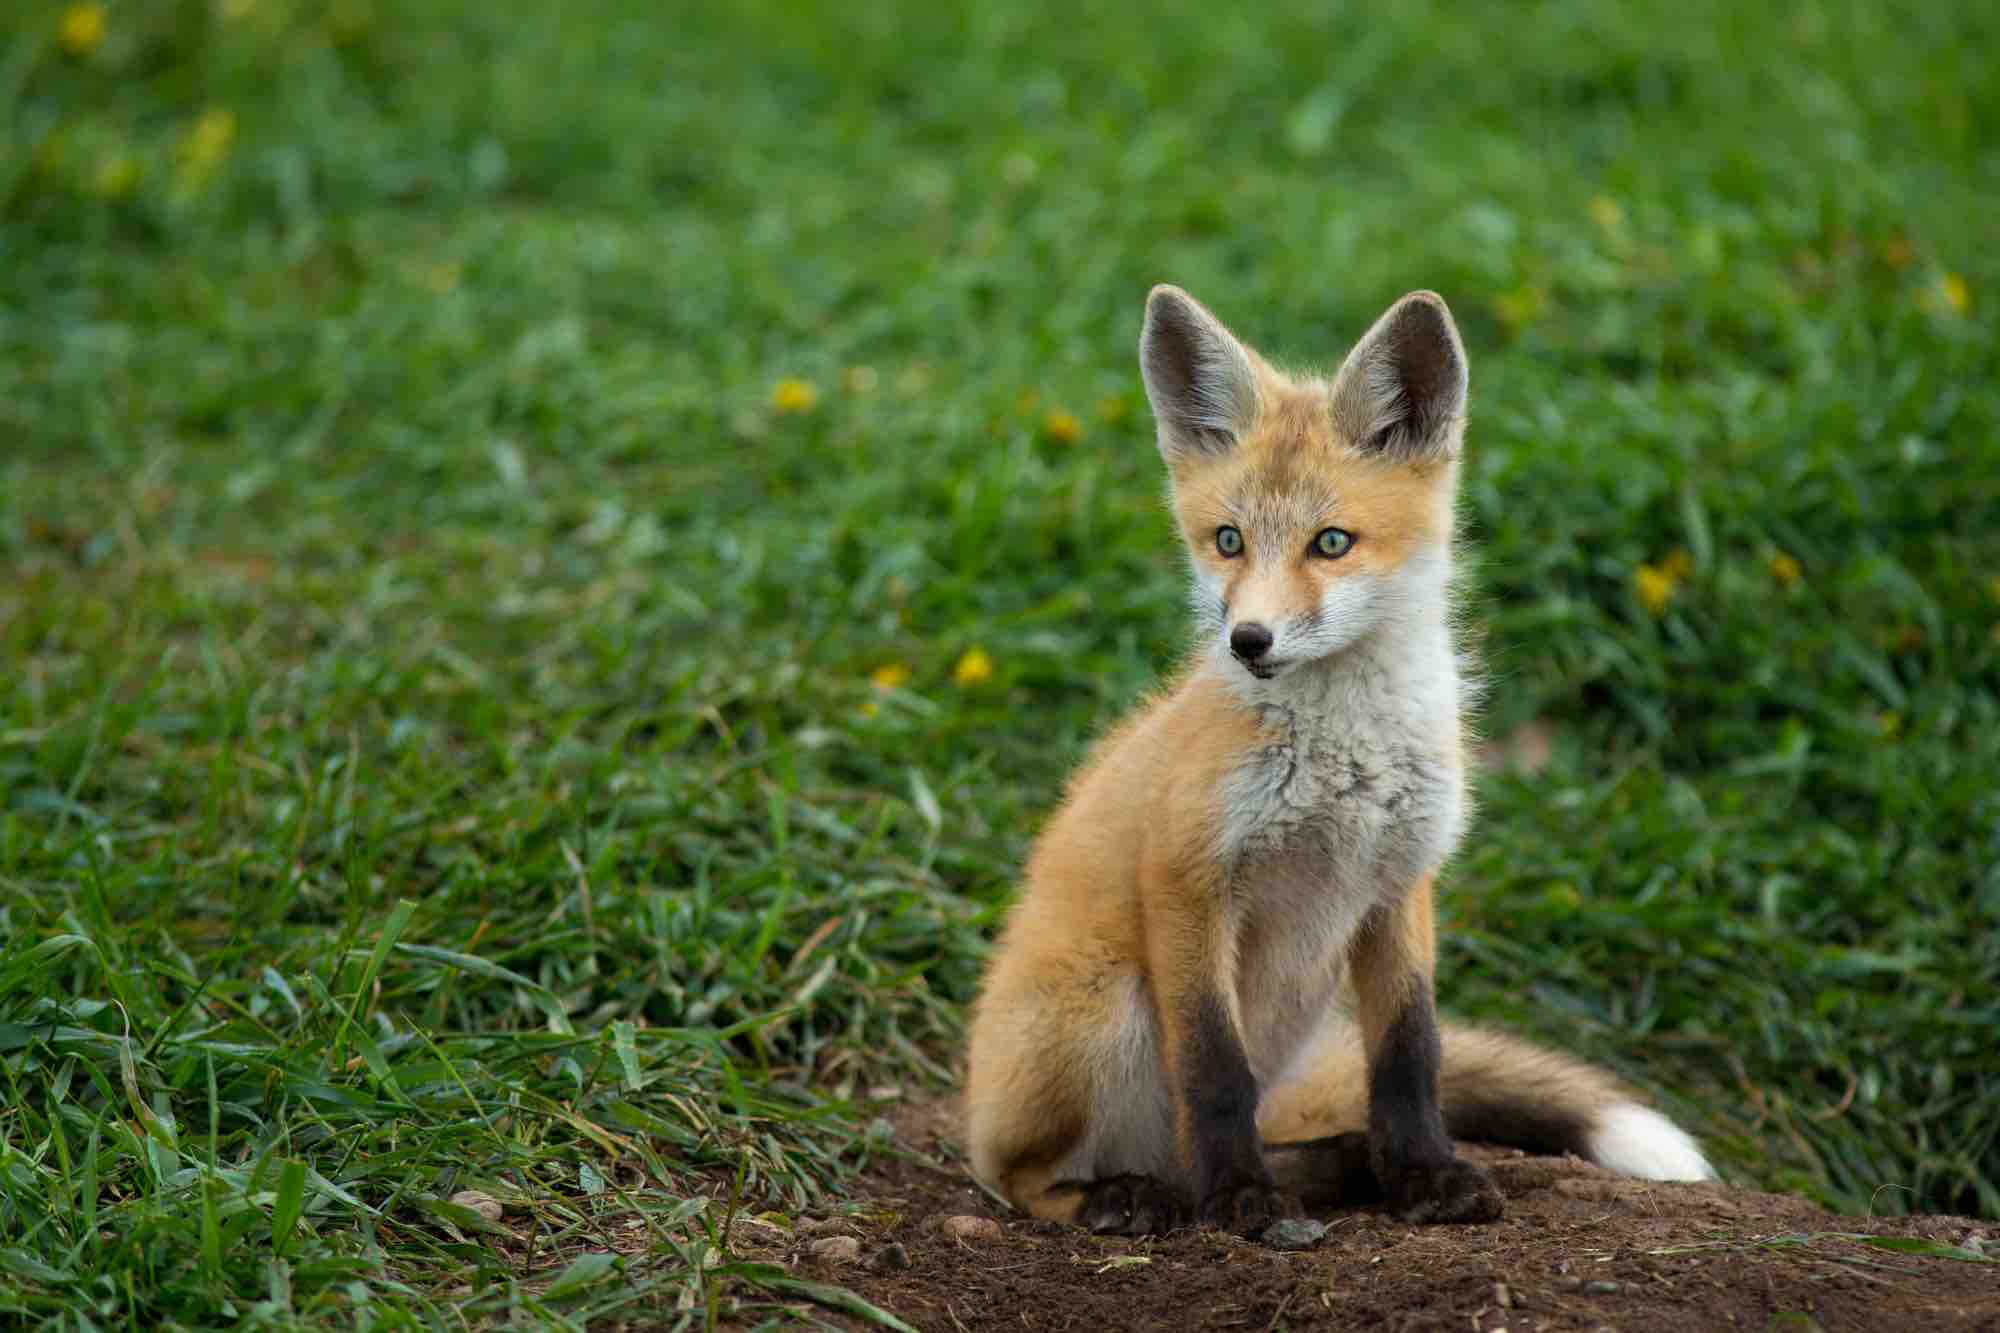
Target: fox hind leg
<point x="1067" y="1113"/>
<point x="1334" y="1170"/>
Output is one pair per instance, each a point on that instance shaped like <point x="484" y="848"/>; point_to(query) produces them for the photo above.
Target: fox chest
<point x="1319" y="829"/>
<point x="1352" y="805"/>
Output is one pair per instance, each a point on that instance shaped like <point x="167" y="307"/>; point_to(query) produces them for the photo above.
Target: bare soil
<point x="1579" y="1248"/>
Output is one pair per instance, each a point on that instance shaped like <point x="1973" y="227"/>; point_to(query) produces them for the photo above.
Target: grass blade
<point x="288" y="1206"/>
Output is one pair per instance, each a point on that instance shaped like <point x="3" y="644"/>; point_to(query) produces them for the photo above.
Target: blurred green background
<point x="552" y="558"/>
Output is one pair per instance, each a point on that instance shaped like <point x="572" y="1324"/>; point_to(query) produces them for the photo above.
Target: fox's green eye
<point x="1332" y="543"/>
<point x="1229" y="541"/>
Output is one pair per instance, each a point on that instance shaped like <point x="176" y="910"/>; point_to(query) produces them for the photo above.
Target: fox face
<point x="1313" y="510"/>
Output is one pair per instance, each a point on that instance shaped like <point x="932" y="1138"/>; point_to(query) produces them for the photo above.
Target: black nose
<point x="1250" y="641"/>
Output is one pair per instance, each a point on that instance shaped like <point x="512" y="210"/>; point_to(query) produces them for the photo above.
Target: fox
<point x="1213" y="1000"/>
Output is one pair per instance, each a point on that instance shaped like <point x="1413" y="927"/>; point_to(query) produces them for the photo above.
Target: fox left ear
<point x="1401" y="391"/>
<point x="1199" y="379"/>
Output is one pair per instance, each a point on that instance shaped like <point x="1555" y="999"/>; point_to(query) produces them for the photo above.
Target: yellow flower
<point x="116" y="175"/>
<point x="858" y="380"/>
<point x="1955" y="293"/>
<point x="793" y="396"/>
<point x="1678" y="564"/>
<point x="82" y="29"/>
<point x="1785" y="569"/>
<point x="1563" y="896"/>
<point x="1890" y="724"/>
<point x="1654" y="587"/>
<point x="1606" y="213"/>
<point x="1062" y="427"/>
<point x="208" y="141"/>
<point x="1520" y="307"/>
<point x="869" y="708"/>
<point x="889" y="675"/>
<point x="974" y="668"/>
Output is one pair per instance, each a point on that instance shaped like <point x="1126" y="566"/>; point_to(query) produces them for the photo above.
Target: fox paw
<point x="1245" y="1207"/>
<point x="1454" y="1192"/>
<point x="1130" y="1206"/>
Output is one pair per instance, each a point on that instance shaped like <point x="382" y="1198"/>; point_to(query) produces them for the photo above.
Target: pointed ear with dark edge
<point x="1198" y="377"/>
<point x="1401" y="391"/>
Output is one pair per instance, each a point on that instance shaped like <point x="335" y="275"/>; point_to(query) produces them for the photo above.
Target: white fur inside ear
<point x="1402" y="388"/>
<point x="1639" y="1141"/>
<point x="1198" y="378"/>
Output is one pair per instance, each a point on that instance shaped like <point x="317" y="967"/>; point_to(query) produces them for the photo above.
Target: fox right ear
<point x="1198" y="377"/>
<point x="1401" y="391"/>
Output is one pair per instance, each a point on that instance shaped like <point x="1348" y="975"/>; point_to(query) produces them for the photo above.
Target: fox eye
<point x="1229" y="541"/>
<point x="1332" y="543"/>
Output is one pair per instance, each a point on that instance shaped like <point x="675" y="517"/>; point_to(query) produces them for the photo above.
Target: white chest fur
<point x="1355" y="795"/>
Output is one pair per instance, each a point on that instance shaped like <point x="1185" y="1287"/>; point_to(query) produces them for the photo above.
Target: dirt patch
<point x="1579" y="1248"/>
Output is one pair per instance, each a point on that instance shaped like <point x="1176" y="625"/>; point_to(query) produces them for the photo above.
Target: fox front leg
<point x="1227" y="1184"/>
<point x="1421" y="1176"/>
<point x="1233" y="1187"/>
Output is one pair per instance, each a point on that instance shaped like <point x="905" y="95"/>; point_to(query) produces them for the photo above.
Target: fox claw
<point x="1245" y="1208"/>
<point x="1457" y="1191"/>
<point x="1130" y="1206"/>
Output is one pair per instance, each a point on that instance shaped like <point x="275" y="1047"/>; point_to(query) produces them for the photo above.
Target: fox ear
<point x="1199" y="379"/>
<point x="1401" y="391"/>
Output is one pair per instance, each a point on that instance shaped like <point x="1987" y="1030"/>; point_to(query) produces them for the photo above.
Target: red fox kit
<point x="1217" y="983"/>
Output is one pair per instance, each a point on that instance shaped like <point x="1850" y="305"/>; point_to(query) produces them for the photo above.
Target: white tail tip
<point x="1639" y="1141"/>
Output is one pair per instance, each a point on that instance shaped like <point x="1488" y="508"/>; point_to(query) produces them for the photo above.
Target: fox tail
<point x="1493" y="1089"/>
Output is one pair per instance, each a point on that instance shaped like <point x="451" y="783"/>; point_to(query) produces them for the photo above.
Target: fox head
<point x="1314" y="510"/>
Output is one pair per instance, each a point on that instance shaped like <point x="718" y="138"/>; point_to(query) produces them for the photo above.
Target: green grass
<point x="437" y="741"/>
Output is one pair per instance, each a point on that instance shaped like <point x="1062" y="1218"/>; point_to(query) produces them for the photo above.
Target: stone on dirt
<point x="891" y="1258"/>
<point x="970" y="1228"/>
<point x="1294" y="1233"/>
<point x="835" y="1249"/>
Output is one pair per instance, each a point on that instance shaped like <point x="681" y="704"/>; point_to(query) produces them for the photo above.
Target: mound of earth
<point x="1579" y="1248"/>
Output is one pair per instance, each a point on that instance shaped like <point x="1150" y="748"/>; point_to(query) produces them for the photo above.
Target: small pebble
<point x="1599" y="1288"/>
<point x="825" y="1226"/>
<point x="835" y="1249"/>
<point x="971" y="1228"/>
<point x="479" y="1201"/>
<point x="891" y="1258"/>
<point x="1293" y="1233"/>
